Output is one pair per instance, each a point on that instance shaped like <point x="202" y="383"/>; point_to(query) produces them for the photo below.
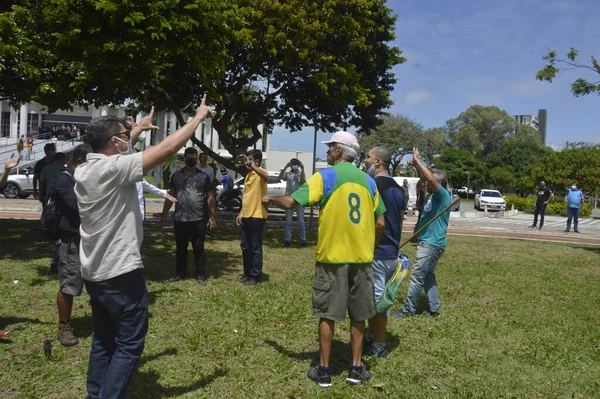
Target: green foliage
<point x="480" y="129"/>
<point x="457" y="162"/>
<point x="555" y="207"/>
<point x="325" y="63"/>
<point x="400" y="134"/>
<point x="521" y="157"/>
<point x="580" y="165"/>
<point x="555" y="66"/>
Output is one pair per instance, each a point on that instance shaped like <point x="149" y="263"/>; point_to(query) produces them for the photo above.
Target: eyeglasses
<point x="126" y="133"/>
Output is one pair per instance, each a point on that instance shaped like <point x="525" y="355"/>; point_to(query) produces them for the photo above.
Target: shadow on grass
<point x="23" y="241"/>
<point x="595" y="249"/>
<point x="150" y="388"/>
<point x="341" y="355"/>
<point x="8" y="321"/>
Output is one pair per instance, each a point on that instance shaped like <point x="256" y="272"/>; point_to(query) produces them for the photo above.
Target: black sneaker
<point x="175" y="279"/>
<point x="532" y="226"/>
<point x="567" y="230"/>
<point x="540" y="227"/>
<point x="357" y="376"/>
<point x="371" y="351"/>
<point x="243" y="279"/>
<point x="251" y="281"/>
<point x="322" y="379"/>
<point x="201" y="280"/>
<point x="304" y="244"/>
<point x="286" y="244"/>
<point x="576" y="231"/>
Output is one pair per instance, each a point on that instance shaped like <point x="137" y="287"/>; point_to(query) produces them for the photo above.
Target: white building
<point x="531" y="120"/>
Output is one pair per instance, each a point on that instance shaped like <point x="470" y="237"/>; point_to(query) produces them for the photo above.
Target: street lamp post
<point x="468" y="183"/>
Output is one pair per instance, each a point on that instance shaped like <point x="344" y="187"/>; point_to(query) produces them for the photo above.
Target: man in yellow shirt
<point x="252" y="218"/>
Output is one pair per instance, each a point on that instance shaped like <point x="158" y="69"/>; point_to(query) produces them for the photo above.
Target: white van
<point x="412" y="190"/>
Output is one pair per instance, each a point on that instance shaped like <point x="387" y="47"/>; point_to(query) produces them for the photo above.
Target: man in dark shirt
<point x="386" y="252"/>
<point x="50" y="151"/>
<point x="544" y="195"/>
<point x="194" y="190"/>
<point x="69" y="266"/>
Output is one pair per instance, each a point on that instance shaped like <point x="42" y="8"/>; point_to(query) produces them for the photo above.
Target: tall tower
<point x="542" y="118"/>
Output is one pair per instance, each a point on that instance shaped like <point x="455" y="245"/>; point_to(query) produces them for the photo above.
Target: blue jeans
<point x="573" y="213"/>
<point x="251" y="243"/>
<point x="289" y="213"/>
<point x="120" y="323"/>
<point x="423" y="277"/>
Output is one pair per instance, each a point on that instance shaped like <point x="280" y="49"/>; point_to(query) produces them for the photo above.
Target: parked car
<point x="274" y="185"/>
<point x="493" y="199"/>
<point x="19" y="185"/>
<point x="454" y="194"/>
<point x="463" y="190"/>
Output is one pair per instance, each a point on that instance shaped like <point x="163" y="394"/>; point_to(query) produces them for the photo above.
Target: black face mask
<point x="190" y="163"/>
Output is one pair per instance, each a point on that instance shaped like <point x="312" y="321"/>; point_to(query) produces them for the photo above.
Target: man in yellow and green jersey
<point x="350" y="223"/>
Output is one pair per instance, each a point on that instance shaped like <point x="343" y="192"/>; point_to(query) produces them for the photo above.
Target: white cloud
<point x="418" y="96"/>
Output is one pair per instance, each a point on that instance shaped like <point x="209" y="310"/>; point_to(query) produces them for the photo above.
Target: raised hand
<point x="146" y="122"/>
<point x="204" y="111"/>
<point x="12" y="162"/>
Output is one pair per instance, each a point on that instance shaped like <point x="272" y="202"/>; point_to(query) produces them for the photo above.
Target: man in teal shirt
<point x="432" y="241"/>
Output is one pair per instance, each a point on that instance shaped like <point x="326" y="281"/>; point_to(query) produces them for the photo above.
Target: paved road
<point x="515" y="227"/>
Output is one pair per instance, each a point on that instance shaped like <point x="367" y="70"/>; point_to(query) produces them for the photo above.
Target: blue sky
<point x="462" y="53"/>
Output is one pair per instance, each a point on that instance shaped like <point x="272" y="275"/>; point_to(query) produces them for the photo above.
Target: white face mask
<point x="129" y="149"/>
<point x="573" y="187"/>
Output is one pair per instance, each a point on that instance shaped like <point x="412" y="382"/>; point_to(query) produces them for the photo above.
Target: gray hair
<point x="350" y="153"/>
<point x="441" y="177"/>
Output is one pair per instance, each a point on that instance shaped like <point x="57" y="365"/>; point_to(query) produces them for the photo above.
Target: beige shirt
<point x="111" y="223"/>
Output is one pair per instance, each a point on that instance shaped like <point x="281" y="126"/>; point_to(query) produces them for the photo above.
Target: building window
<point x="32" y="124"/>
<point x="5" y="126"/>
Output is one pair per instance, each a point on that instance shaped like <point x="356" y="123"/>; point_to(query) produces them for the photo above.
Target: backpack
<point x="50" y="219"/>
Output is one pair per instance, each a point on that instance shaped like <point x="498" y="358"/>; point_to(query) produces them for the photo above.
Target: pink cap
<point x="344" y="138"/>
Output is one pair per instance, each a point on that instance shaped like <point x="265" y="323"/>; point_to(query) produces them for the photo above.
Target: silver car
<point x="19" y="185"/>
<point x="274" y="185"/>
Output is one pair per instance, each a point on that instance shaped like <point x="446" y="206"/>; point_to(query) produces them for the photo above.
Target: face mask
<point x="51" y="154"/>
<point x="294" y="167"/>
<point x="371" y="170"/>
<point x="542" y="185"/>
<point x="573" y="187"/>
<point x="129" y="149"/>
<point x="190" y="163"/>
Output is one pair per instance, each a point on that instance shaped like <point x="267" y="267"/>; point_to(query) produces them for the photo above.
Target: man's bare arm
<point x="159" y="153"/>
<point x="424" y="172"/>
<point x="280" y="201"/>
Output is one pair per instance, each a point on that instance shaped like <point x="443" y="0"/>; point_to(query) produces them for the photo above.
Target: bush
<point x="555" y="207"/>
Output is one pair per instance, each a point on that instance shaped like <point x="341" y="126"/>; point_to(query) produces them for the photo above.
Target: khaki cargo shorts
<point x="340" y="287"/>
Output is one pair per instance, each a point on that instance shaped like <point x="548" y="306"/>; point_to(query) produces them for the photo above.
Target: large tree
<point x="291" y="62"/>
<point x="462" y="167"/>
<point x="555" y="66"/>
<point x="480" y="129"/>
<point x="400" y="134"/>
<point x="521" y="156"/>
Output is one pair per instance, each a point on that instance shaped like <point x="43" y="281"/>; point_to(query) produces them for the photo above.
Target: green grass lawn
<point x="520" y="320"/>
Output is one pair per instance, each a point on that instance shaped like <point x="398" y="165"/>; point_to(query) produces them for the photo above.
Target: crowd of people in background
<point x="60" y="132"/>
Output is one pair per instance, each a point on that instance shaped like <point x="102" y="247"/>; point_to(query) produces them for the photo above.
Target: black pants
<point x="539" y="210"/>
<point x="194" y="232"/>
